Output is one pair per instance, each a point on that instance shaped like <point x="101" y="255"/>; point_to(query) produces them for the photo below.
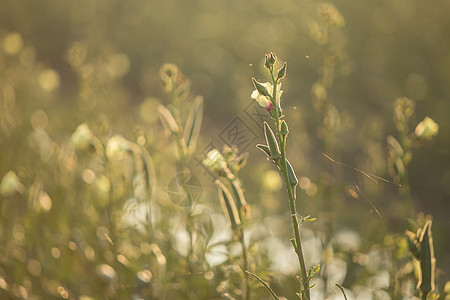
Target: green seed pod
<point x="260" y="88"/>
<point x="271" y="142"/>
<point x="167" y="119"/>
<point x="427" y="261"/>
<point x="193" y="124"/>
<point x="228" y="205"/>
<point x="413" y="246"/>
<point x="182" y="91"/>
<point x="239" y="195"/>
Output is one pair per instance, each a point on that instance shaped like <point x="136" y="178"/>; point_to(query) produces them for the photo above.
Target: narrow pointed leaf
<point x="228" y="205"/>
<point x="282" y="71"/>
<point x="193" y="124"/>
<point x="294" y="244"/>
<point x="271" y="142"/>
<point x="264" y="148"/>
<point x="260" y="88"/>
<point x="412" y="244"/>
<point x="426" y="282"/>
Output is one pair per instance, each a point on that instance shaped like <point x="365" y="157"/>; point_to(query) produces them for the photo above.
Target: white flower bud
<point x="214" y="160"/>
<point x="264" y="101"/>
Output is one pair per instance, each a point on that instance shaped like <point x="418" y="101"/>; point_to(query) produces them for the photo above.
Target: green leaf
<point x="316" y="269"/>
<point x="413" y="245"/>
<point x="193" y="124"/>
<point x="282" y="71"/>
<point x="294" y="244"/>
<point x="260" y="88"/>
<point x="292" y="177"/>
<point x="395" y="146"/>
<point x="426" y="282"/>
<point x="271" y="142"/>
<point x="307" y="219"/>
<point x="264" y="148"/>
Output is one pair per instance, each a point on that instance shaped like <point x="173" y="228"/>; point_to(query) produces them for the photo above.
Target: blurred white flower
<point x="11" y="185"/>
<point x="427" y="129"/>
<point x="117" y="147"/>
<point x="82" y="137"/>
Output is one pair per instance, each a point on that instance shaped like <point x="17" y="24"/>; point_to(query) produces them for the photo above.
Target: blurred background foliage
<point x="72" y="221"/>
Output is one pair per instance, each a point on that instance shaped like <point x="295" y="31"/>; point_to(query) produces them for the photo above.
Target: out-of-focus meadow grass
<point x="87" y="205"/>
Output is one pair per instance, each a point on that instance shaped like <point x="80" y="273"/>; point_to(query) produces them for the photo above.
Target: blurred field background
<point x="64" y="63"/>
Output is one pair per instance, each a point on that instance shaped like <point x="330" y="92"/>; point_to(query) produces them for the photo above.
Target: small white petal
<point x="255" y="94"/>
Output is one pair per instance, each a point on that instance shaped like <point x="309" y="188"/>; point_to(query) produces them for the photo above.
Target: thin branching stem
<point x="268" y="288"/>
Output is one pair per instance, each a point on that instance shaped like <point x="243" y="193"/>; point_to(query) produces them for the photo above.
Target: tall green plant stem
<point x="282" y="164"/>
<point x="245" y="263"/>
<point x="239" y="231"/>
